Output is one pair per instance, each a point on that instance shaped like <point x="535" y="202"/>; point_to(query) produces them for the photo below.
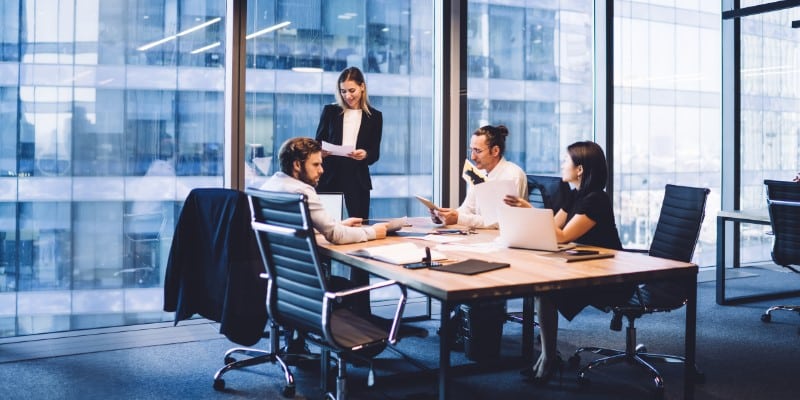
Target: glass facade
<point x="667" y="121"/>
<point x="530" y="68"/>
<point x="112" y="110"/>
<point x="770" y="116"/>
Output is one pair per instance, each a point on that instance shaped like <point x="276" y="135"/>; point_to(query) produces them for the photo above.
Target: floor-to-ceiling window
<point x="295" y="52"/>
<point x="110" y="111"/>
<point x="530" y="67"/>
<point x="666" y="112"/>
<point x="769" y="116"/>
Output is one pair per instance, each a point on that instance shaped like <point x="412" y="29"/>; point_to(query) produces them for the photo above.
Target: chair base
<point x="255" y="357"/>
<point x="638" y="356"/>
<point x="767" y="316"/>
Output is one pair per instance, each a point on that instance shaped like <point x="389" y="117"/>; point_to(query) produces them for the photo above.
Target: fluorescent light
<point x="204" y="48"/>
<point x="268" y="30"/>
<point x="306" y="69"/>
<point x="182" y="33"/>
<point x="198" y="27"/>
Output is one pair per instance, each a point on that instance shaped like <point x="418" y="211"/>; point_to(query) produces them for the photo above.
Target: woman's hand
<point x="516" y="201"/>
<point x="358" y="154"/>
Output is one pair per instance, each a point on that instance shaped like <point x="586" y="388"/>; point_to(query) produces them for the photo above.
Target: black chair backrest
<point x="285" y="236"/>
<point x="546" y="191"/>
<point x="783" y="199"/>
<point x="678" y="227"/>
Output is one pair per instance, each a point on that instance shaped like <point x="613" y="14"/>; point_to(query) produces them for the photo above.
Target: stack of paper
<point x="401" y="253"/>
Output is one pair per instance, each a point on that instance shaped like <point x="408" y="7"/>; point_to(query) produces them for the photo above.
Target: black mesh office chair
<point x="675" y="237"/>
<point x="543" y="192"/>
<point x="298" y="291"/>
<point x="783" y="200"/>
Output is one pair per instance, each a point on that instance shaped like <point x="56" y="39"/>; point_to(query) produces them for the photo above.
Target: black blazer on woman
<point x="337" y="169"/>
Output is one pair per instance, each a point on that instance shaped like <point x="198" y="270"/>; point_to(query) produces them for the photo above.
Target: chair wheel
<point x="229" y="360"/>
<point x="219" y="384"/>
<point x="766" y="317"/>
<point x="288" y="391"/>
<point x="640" y="348"/>
<point x="583" y="381"/>
<point x="574" y="361"/>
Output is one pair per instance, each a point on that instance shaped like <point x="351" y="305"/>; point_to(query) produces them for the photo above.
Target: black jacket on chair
<point x="214" y="266"/>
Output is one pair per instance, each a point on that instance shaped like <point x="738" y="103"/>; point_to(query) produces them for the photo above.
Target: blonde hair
<point x="352" y="74"/>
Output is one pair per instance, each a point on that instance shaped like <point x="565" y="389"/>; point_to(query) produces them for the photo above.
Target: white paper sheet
<point x="337" y="150"/>
<point x="489" y="197"/>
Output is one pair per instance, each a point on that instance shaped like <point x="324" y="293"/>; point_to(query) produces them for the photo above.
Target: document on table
<point x="489" y="197"/>
<point x="337" y="150"/>
<point x="401" y="253"/>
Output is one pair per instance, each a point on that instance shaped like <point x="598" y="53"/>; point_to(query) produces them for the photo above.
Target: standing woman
<point x="350" y="122"/>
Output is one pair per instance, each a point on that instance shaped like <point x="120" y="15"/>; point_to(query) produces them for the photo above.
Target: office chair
<point x="213" y="271"/>
<point x="783" y="200"/>
<point x="675" y="238"/>
<point x="543" y="192"/>
<point x="299" y="295"/>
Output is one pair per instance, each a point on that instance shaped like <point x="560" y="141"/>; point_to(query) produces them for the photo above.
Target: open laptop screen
<point x="333" y="204"/>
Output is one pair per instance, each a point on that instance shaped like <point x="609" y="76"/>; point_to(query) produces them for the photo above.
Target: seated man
<point x="487" y="146"/>
<point x="301" y="167"/>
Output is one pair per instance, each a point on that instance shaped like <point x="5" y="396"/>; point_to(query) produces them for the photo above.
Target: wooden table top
<point x="529" y="273"/>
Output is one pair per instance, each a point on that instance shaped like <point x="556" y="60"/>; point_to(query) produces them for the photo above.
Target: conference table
<point x="529" y="274"/>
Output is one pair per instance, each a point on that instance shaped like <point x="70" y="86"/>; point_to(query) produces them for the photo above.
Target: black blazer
<point x="369" y="138"/>
<point x="214" y="265"/>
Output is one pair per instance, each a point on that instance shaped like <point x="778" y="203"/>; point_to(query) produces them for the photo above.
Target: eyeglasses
<point x="477" y="151"/>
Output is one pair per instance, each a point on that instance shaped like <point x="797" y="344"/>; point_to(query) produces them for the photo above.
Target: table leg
<point x="527" y="328"/>
<point x="720" y="260"/>
<point x="444" y="349"/>
<point x="690" y="340"/>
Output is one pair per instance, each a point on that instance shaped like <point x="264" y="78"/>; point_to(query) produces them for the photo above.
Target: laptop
<point x="333" y="203"/>
<point x="529" y="228"/>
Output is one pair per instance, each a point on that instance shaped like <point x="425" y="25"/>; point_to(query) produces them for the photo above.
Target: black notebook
<point x="470" y="267"/>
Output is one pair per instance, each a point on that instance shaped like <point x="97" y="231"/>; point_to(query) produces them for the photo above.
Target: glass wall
<point x="770" y="116"/>
<point x="110" y="112"/>
<point x="530" y="67"/>
<point x="666" y="112"/>
<point x="295" y="52"/>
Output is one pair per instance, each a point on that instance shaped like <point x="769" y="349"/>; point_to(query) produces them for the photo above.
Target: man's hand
<point x="380" y="230"/>
<point x="352" y="222"/>
<point x="448" y="215"/>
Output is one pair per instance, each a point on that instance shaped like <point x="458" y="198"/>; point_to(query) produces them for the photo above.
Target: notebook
<point x="470" y="267"/>
<point x="529" y="228"/>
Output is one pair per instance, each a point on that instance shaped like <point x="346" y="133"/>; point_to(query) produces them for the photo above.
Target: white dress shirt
<point x="469" y="213"/>
<point x="333" y="231"/>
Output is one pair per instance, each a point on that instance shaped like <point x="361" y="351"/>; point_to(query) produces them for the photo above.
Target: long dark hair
<point x="595" y="169"/>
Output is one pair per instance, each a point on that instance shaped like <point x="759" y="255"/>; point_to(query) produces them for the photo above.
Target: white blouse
<point x="352" y="123"/>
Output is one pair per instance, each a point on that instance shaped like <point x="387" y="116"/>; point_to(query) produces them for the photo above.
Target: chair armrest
<point x="401" y="303"/>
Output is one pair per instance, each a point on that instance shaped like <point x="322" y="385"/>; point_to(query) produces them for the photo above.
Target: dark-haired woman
<point x="585" y="217"/>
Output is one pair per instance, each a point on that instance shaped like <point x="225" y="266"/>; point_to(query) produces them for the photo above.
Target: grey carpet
<point x="742" y="357"/>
